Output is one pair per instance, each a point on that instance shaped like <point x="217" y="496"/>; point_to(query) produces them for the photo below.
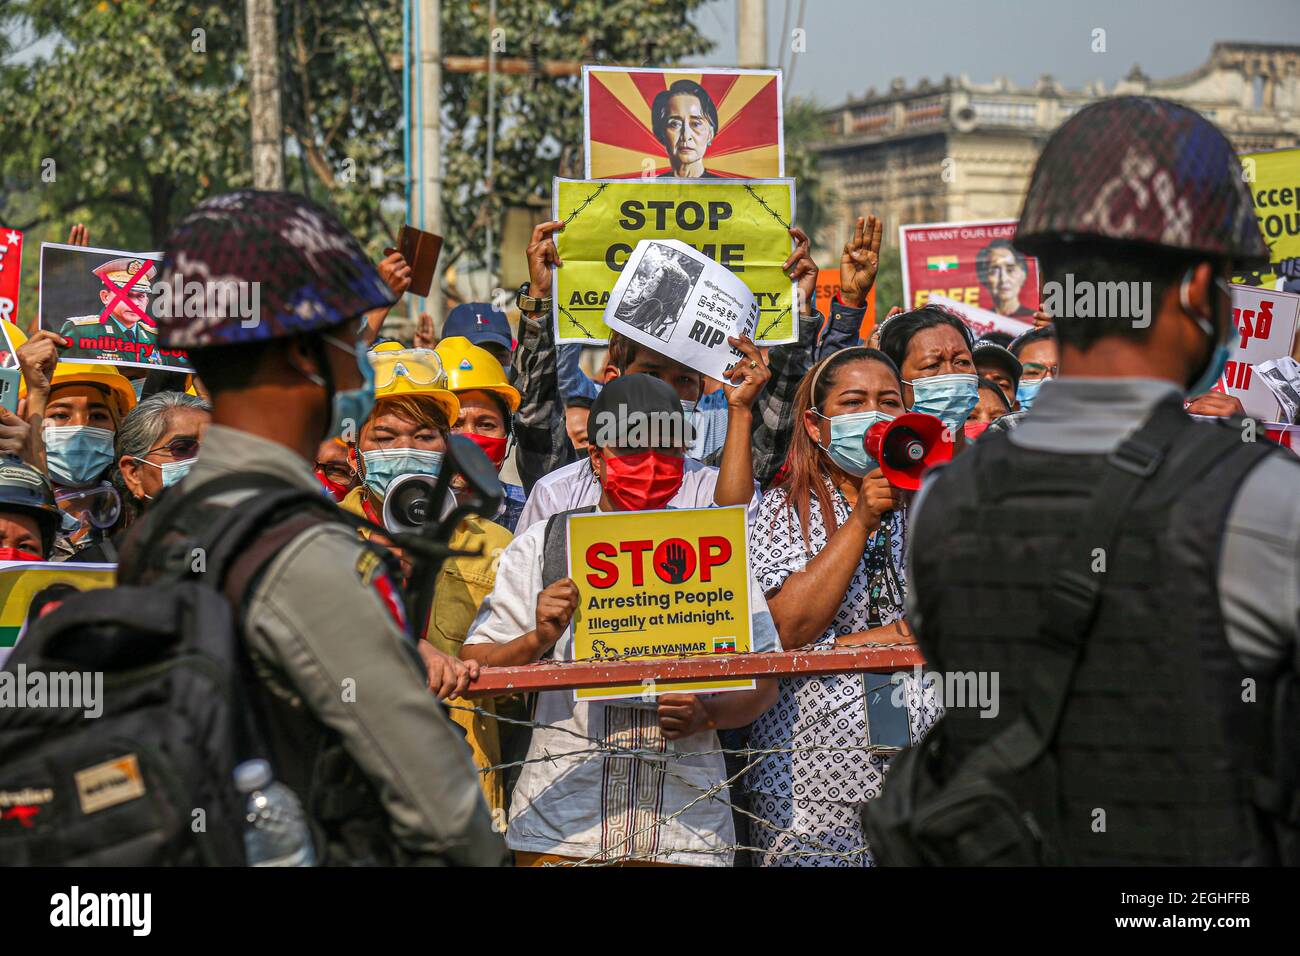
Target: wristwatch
<point x="529" y="303"/>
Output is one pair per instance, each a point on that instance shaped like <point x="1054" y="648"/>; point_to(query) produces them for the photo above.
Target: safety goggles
<point x="179" y="449"/>
<point x="100" y="505"/>
<point x="417" y="366"/>
<point x="1033" y="371"/>
<point x="338" y="472"/>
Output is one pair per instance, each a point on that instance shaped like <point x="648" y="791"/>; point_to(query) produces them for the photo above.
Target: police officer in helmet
<point x="1143" y="626"/>
<point x="380" y="770"/>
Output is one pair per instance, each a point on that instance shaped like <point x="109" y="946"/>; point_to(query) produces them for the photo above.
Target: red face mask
<point x="15" y="554"/>
<point x="337" y="491"/>
<point x="645" y="481"/>
<point x="975" y="429"/>
<point x="494" y="448"/>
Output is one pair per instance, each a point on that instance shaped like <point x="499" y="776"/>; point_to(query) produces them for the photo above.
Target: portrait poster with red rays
<point x="685" y="124"/>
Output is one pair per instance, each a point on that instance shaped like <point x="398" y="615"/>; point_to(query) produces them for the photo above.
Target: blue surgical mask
<point x="847" y="446"/>
<point x="351" y="406"/>
<point x="688" y="407"/>
<point x="172" y="471"/>
<point x="77" y="454"/>
<point x="950" y="398"/>
<point x="385" y="464"/>
<point x="1222" y="350"/>
<point x="1027" y="391"/>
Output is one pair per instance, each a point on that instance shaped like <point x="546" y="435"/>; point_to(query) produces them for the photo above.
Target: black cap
<point x="637" y="411"/>
<point x="25" y="490"/>
<point x="994" y="354"/>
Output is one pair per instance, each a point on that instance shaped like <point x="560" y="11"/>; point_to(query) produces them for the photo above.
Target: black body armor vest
<point x="1164" y="735"/>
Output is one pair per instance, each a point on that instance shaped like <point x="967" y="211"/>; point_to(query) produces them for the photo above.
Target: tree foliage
<point x="142" y="107"/>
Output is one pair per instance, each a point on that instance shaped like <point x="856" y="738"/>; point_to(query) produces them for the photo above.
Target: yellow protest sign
<point x="21" y="581"/>
<point x="660" y="584"/>
<point x="741" y="224"/>
<point x="1273" y="178"/>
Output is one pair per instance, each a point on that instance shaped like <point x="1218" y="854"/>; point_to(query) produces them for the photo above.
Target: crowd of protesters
<point x="783" y="436"/>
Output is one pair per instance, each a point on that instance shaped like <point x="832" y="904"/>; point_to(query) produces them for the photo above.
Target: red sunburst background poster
<point x="620" y="138"/>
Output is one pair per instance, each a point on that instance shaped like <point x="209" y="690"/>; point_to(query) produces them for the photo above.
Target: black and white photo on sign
<point x="1282" y="376"/>
<point x="658" y="291"/>
<point x="674" y="299"/>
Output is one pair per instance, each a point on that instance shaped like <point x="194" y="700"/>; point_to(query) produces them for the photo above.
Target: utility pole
<point x="430" y="140"/>
<point x="264" y="96"/>
<point x="751" y="34"/>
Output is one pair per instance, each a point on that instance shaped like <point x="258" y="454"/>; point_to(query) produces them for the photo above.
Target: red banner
<point x="973" y="263"/>
<point x="11" y="272"/>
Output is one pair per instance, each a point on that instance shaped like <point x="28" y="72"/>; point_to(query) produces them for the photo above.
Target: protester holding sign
<point x="594" y="804"/>
<point x="828" y="551"/>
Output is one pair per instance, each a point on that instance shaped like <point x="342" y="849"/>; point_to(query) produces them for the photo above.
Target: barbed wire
<point x="660" y="761"/>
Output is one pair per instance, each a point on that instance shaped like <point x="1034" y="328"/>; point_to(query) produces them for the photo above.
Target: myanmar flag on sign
<point x="724" y="645"/>
<point x="941" y="263"/>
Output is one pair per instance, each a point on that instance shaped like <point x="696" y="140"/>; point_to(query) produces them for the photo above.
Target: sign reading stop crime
<point x="1265" y="322"/>
<point x="660" y="584"/>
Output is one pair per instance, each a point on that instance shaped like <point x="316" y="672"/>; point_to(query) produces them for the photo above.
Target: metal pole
<point x="430" y="162"/>
<point x="489" y="258"/>
<point x="751" y="33"/>
<point x="264" y="95"/>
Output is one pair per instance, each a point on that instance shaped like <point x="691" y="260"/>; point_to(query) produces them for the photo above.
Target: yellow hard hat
<point x="105" y="376"/>
<point x="17" y="337"/>
<point x="402" y="371"/>
<point x="470" y="367"/>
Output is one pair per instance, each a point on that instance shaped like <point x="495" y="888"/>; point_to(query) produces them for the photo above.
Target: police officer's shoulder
<point x="327" y="562"/>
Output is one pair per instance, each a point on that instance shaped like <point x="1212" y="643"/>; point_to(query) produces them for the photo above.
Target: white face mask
<point x="172" y="471"/>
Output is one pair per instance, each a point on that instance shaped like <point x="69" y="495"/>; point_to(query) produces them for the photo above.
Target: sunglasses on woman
<point x="179" y="448"/>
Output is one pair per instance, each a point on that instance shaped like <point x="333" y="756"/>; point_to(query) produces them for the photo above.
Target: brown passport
<point x="420" y="249"/>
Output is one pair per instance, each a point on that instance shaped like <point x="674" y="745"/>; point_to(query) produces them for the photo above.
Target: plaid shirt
<point x="541" y="439"/>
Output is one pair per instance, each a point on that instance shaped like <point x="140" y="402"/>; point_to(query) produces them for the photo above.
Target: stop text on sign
<point x="672" y="560"/>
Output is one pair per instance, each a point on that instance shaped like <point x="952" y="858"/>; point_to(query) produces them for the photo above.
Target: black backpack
<point x="149" y="780"/>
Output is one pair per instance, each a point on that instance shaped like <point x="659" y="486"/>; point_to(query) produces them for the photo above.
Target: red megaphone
<point x="907" y="446"/>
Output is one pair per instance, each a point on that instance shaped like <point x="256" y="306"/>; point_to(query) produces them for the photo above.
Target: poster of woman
<point x="657" y="124"/>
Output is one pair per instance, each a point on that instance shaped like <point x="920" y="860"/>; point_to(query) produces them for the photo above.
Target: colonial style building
<point x="960" y="150"/>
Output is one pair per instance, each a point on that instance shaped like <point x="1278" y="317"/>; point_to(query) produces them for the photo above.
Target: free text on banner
<point x="741" y="225"/>
<point x="1273" y="179"/>
<point x="659" y="584"/>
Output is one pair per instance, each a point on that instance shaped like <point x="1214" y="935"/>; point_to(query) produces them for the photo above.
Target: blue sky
<point x="856" y="44"/>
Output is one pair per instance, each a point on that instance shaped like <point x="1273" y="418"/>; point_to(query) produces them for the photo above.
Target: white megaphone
<point x="407" y="503"/>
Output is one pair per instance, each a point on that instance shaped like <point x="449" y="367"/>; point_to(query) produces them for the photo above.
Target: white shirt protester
<point x="580" y="803"/>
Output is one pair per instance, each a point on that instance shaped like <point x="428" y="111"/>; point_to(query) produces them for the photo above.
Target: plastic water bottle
<point x="275" y="828"/>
